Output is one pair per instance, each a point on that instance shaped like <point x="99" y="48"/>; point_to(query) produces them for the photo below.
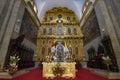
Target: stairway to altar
<point x="82" y="74"/>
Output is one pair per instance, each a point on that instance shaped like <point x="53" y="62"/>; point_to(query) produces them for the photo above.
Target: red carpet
<point x="81" y="74"/>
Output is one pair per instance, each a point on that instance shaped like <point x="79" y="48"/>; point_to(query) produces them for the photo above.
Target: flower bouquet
<point x="13" y="64"/>
<point x="58" y="71"/>
<point x="107" y="61"/>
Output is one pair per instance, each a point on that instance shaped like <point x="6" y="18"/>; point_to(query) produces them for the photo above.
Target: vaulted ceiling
<point x="45" y="5"/>
<point x="37" y="8"/>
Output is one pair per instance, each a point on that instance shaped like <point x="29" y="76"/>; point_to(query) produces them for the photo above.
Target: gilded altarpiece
<point x="59" y="25"/>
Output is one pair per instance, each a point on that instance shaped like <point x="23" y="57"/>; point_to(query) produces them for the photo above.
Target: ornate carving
<point x="63" y="27"/>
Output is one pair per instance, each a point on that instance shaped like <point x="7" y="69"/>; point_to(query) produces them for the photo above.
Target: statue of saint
<point x="60" y="52"/>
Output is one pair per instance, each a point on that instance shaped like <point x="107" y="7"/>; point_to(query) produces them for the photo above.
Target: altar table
<point x="69" y="69"/>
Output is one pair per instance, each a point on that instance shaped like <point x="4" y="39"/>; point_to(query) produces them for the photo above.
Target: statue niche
<point x="60" y="52"/>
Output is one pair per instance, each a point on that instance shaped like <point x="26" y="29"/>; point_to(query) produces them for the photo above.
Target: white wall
<point x="29" y="44"/>
<point x="95" y="43"/>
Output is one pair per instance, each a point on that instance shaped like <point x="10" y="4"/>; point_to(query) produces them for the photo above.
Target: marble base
<point x="105" y="73"/>
<point x="5" y="75"/>
<point x="114" y="75"/>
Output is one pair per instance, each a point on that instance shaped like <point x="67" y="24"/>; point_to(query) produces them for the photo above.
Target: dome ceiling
<point x="45" y="5"/>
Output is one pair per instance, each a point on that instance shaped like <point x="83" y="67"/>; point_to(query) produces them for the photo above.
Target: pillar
<point x="108" y="15"/>
<point x="9" y="15"/>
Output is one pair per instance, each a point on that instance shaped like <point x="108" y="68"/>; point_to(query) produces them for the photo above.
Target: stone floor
<point x="105" y="73"/>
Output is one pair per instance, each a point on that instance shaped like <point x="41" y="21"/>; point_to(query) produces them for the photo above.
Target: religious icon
<point x="44" y="30"/>
<point x="69" y="31"/>
<point x="75" y="31"/>
<point x="50" y="30"/>
<point x="70" y="50"/>
<point x="60" y="52"/>
<point x="59" y="31"/>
